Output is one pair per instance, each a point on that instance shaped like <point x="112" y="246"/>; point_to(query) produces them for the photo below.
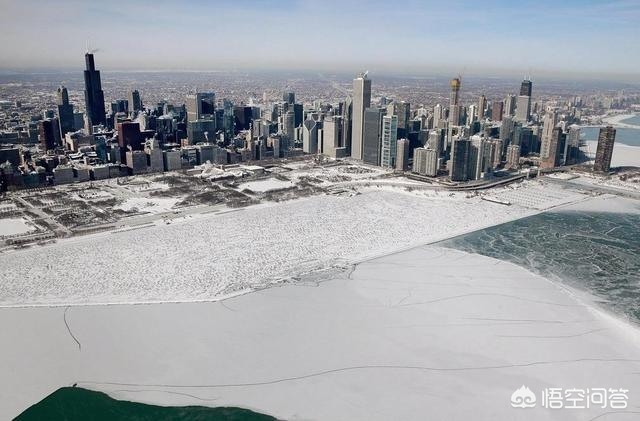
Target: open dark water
<point x="77" y="404"/>
<point x="597" y="252"/>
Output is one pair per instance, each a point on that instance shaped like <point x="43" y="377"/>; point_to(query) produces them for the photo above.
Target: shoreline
<point x="209" y="283"/>
<point x="616" y="120"/>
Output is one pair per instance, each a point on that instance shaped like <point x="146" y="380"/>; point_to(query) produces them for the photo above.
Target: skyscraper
<point x="65" y="111"/>
<point x="606" y="139"/>
<point x="496" y="110"/>
<point x="509" y="105"/>
<point x="389" y="141"/>
<point x="201" y="106"/>
<point x="93" y="94"/>
<point x="402" y="110"/>
<point x="454" y="101"/>
<point x="402" y="155"/>
<point x="49" y="134"/>
<point x="361" y="101"/>
<point x="310" y="136"/>
<point x="550" y="123"/>
<point x="371" y="136"/>
<point x="135" y="103"/>
<point x="526" y="87"/>
<point x="459" y="160"/>
<point x="523" y="109"/>
<point x="552" y="159"/>
<point x="289" y="97"/>
<point x="347" y="115"/>
<point x="482" y="105"/>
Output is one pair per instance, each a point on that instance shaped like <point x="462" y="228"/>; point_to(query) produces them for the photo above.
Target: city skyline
<point x="550" y="38"/>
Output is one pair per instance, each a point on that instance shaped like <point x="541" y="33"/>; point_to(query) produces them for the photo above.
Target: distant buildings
<point x="606" y="139"/>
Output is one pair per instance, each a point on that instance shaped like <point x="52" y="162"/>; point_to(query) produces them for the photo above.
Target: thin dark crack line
<point x="166" y="391"/>
<point x="69" y="329"/>
<point x="363" y="367"/>
<point x="488" y="294"/>
<point x="552" y="337"/>
<point x="614" y="413"/>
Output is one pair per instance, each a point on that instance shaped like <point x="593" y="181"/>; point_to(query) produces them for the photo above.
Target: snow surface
<point x="12" y="226"/>
<point x="251" y="248"/>
<point x="428" y="333"/>
<point x="265" y="185"/>
<point x="148" y="204"/>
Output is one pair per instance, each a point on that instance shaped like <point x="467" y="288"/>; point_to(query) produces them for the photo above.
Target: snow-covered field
<point x="12" y="226"/>
<point x="204" y="258"/>
<point x="428" y="333"/>
<point x="265" y="185"/>
<point x="148" y="204"/>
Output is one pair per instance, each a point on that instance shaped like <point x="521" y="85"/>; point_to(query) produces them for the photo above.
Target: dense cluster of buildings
<point x="461" y="142"/>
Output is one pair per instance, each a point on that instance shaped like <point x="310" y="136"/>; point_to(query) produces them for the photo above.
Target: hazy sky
<point x="475" y="36"/>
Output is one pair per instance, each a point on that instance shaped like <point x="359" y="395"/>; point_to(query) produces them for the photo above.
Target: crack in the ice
<point x="64" y="316"/>
<point x="366" y="367"/>
<point x="490" y="294"/>
<point x="551" y="336"/>
<point x="166" y="391"/>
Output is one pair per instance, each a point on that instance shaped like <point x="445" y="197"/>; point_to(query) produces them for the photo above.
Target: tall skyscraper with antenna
<point x="93" y="94"/>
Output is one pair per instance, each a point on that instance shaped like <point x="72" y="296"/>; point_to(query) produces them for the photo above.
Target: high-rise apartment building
<point x="604" y="152"/>
<point x="389" y="141"/>
<point x="459" y="165"/>
<point x="550" y="123"/>
<point x="497" y="110"/>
